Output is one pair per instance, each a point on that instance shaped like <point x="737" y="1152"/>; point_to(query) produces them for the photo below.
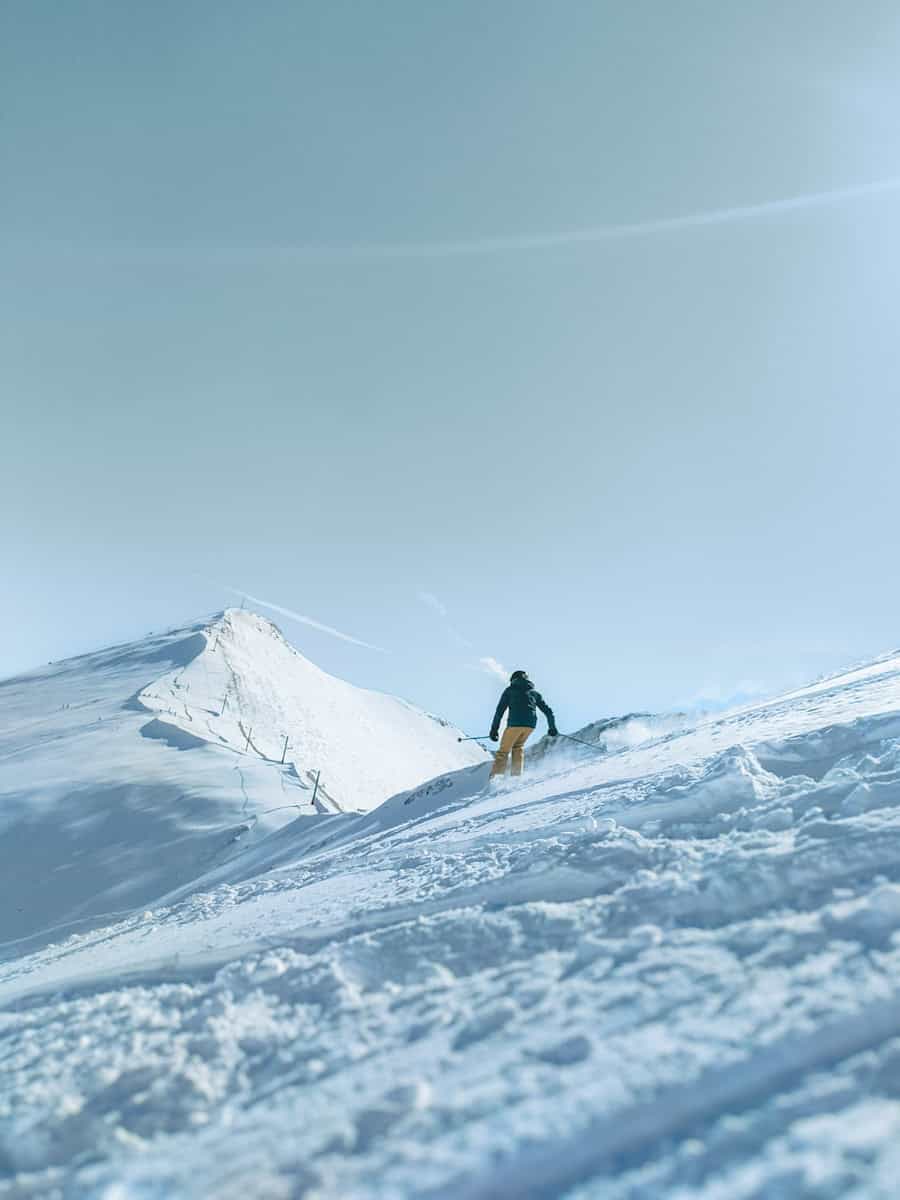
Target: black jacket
<point x="523" y="702"/>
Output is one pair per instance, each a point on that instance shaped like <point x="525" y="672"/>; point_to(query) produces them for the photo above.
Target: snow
<point x="128" y="772"/>
<point x="668" y="970"/>
<point x="610" y="734"/>
<point x="367" y="745"/>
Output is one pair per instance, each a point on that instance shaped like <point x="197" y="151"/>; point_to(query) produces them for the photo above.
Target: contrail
<point x="295" y="616"/>
<point x="601" y="233"/>
<point x="361" y="252"/>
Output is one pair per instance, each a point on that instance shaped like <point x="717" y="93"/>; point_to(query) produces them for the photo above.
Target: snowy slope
<point x="252" y="684"/>
<point x="128" y="772"/>
<point x="672" y="972"/>
<point x="609" y="735"/>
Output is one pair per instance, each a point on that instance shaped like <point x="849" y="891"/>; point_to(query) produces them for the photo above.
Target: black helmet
<point x="518" y="675"/>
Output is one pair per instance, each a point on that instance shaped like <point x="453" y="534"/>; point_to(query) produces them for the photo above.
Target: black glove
<point x="553" y="732"/>
<point x="494" y="736"/>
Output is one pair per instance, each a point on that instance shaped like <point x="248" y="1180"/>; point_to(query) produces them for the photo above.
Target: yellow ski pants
<point x="513" y="740"/>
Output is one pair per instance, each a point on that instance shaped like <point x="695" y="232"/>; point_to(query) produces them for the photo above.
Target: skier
<point x="523" y="701"/>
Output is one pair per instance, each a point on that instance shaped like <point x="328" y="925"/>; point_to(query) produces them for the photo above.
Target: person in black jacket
<point x="522" y="701"/>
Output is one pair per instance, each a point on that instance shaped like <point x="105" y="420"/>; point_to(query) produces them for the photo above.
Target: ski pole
<point x="483" y="737"/>
<point x="581" y="742"/>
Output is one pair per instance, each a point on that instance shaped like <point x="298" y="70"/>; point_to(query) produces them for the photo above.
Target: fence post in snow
<point x="284" y="749"/>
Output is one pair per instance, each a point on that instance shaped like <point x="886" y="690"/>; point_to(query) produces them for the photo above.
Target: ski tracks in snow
<point x="681" y="981"/>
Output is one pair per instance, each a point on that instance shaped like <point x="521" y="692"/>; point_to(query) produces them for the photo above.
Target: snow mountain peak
<point x="126" y="772"/>
<point x="252" y="692"/>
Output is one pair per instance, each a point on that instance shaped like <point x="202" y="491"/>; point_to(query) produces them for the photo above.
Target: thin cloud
<point x="309" y="252"/>
<point x="462" y="642"/>
<point x="492" y="667"/>
<point x="597" y="234"/>
<point x="430" y="600"/>
<point x="303" y="620"/>
<point x="439" y="608"/>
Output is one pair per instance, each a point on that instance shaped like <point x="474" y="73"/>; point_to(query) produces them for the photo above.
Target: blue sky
<point x="289" y="305"/>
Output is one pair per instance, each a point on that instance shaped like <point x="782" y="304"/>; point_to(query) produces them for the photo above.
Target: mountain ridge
<point x="123" y="774"/>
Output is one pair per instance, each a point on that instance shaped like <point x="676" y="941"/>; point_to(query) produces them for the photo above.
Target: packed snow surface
<point x="665" y="972"/>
